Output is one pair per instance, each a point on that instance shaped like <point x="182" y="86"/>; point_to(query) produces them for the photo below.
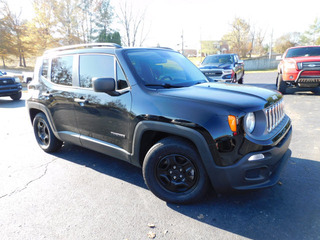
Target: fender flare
<point x="42" y="108"/>
<point x="181" y="131"/>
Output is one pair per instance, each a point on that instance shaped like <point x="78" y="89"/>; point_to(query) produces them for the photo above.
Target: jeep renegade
<point x="153" y="108"/>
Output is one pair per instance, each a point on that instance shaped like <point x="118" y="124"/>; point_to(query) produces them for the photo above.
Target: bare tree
<point x="239" y="37"/>
<point x="257" y="36"/>
<point x="43" y="26"/>
<point x="133" y="23"/>
<point x="17" y="27"/>
<point x="285" y="41"/>
<point x="67" y="13"/>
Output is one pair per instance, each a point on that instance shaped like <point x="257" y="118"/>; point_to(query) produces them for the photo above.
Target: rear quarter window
<point x="61" y="70"/>
<point x="44" y="69"/>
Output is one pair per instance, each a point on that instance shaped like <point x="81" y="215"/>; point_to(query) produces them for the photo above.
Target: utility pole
<point x="200" y="46"/>
<point x="182" y="47"/>
<point x="270" y="48"/>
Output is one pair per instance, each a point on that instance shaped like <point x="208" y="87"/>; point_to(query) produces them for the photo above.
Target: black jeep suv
<point x="153" y="108"/>
<point x="10" y="86"/>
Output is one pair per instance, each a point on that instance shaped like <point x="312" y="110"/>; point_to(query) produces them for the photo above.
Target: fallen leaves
<point x="151" y="225"/>
<point x="151" y="235"/>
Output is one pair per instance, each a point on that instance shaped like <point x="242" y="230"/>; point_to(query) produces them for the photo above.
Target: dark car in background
<point x="10" y="86"/>
<point x="223" y="67"/>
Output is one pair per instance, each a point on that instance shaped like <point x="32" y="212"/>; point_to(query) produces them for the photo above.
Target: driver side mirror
<point x="106" y="85"/>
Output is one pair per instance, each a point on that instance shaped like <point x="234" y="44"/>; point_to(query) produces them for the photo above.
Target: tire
<point x="316" y="90"/>
<point x="241" y="79"/>
<point x="44" y="135"/>
<point x="234" y="79"/>
<point x="16" y="96"/>
<point x="281" y="85"/>
<point x="173" y="171"/>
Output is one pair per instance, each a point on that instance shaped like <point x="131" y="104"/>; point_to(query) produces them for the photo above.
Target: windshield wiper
<point x="164" y="85"/>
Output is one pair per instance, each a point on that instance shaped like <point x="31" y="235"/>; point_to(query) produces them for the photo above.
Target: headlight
<point x="17" y="80"/>
<point x="249" y="122"/>
<point x="299" y="65"/>
<point x="291" y="65"/>
<point x="227" y="71"/>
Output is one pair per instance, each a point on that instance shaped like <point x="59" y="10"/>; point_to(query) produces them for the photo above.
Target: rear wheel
<point x="281" y="85"/>
<point x="16" y="96"/>
<point x="173" y="171"/>
<point x="241" y="79"/>
<point x="44" y="135"/>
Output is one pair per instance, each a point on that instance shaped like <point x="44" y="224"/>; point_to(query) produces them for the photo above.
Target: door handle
<point x="47" y="94"/>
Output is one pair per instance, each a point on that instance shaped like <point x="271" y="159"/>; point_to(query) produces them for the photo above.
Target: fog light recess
<point x="256" y="157"/>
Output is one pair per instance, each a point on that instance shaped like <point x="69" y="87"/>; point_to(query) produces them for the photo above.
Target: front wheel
<point x="173" y="171"/>
<point x="281" y="85"/>
<point x="44" y="135"/>
<point x="316" y="90"/>
<point x="16" y="96"/>
<point x="234" y="79"/>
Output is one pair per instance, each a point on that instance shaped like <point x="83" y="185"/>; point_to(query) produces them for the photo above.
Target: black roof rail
<point x="163" y="47"/>
<point x="85" y="45"/>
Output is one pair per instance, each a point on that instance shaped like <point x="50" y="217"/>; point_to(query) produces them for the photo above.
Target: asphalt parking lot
<point x="79" y="194"/>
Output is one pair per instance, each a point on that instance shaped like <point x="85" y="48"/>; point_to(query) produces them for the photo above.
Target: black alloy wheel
<point x="176" y="173"/>
<point x="44" y="135"/>
<point x="173" y="171"/>
<point x="43" y="132"/>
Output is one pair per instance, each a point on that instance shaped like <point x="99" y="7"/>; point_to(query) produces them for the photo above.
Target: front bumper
<point x="256" y="174"/>
<point x="306" y="78"/>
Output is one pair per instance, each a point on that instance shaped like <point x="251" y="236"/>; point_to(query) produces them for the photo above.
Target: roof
<point x="303" y="47"/>
<point x="96" y="47"/>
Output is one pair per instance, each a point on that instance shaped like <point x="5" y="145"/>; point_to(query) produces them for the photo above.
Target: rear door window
<point x="61" y="70"/>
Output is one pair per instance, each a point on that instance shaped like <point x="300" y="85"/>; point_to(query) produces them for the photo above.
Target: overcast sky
<point x="211" y="19"/>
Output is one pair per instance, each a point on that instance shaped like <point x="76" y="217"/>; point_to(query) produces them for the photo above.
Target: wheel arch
<point x="151" y="137"/>
<point x="151" y="132"/>
<point x="35" y="108"/>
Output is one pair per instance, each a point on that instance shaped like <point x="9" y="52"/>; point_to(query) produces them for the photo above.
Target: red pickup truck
<point x="299" y="68"/>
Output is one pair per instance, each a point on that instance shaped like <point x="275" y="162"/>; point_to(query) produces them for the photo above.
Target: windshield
<point x="164" y="68"/>
<point x="218" y="59"/>
<point x="303" y="52"/>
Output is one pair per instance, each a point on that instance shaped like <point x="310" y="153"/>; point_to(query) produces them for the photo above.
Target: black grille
<point x="274" y="115"/>
<point x="213" y="73"/>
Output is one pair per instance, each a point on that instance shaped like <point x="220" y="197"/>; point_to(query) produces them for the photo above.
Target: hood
<point x="304" y="59"/>
<point x="216" y="66"/>
<point x="238" y="97"/>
